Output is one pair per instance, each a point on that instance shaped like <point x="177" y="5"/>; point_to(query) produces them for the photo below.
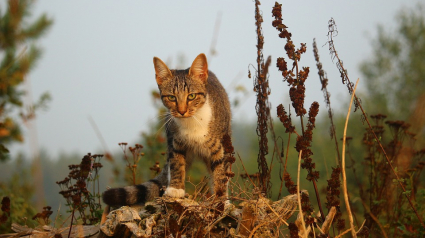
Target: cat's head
<point x="183" y="92"/>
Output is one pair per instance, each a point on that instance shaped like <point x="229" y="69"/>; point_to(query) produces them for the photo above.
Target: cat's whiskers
<point x="165" y="124"/>
<point x="196" y="119"/>
<point x="168" y="123"/>
<point x="163" y="115"/>
<point x="159" y="117"/>
<point x="167" y="127"/>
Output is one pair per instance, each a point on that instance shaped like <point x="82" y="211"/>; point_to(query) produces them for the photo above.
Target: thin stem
<point x="318" y="200"/>
<point x="344" y="177"/>
<point x="284" y="167"/>
<point x="302" y="124"/>
<point x="276" y="147"/>
<point x="326" y="95"/>
<point x="98" y="191"/>
<point x="246" y="171"/>
<point x="296" y="71"/>
<point x="299" y="196"/>
<point x="287" y="151"/>
<point x="367" y="209"/>
<point x="70" y="227"/>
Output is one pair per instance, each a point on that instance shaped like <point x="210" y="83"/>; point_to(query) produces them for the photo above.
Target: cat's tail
<point x="137" y="194"/>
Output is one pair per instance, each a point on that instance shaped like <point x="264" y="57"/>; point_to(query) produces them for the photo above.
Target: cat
<point x="198" y="118"/>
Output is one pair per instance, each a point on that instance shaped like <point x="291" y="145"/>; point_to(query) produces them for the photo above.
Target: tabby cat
<point x="198" y="119"/>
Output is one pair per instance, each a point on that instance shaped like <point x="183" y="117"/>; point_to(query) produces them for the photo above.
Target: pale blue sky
<point x="97" y="58"/>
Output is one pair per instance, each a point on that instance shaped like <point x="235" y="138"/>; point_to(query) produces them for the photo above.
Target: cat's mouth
<point x="183" y="114"/>
<point x="178" y="115"/>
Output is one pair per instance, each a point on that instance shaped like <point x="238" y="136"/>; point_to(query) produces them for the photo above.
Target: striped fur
<point x="199" y="117"/>
<point x="137" y="194"/>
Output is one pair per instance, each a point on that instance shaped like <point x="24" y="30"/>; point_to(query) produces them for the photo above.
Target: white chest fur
<point x="194" y="129"/>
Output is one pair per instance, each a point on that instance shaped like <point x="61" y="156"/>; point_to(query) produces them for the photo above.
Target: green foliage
<point x="20" y="55"/>
<point x="20" y="190"/>
<point x="408" y="224"/>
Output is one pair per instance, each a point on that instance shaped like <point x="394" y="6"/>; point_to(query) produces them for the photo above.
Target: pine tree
<point x="19" y="55"/>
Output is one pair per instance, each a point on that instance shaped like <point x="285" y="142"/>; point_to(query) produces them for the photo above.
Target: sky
<point x="97" y="61"/>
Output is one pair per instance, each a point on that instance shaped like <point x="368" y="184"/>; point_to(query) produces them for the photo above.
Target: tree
<point x="395" y="74"/>
<point x="20" y="55"/>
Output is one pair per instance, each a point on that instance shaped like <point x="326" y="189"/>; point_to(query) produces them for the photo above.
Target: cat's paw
<point x="174" y="192"/>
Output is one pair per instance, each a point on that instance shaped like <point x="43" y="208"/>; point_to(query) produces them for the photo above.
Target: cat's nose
<point x="182" y="112"/>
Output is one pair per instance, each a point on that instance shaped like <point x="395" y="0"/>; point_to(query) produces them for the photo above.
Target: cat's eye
<point x="191" y="96"/>
<point x="172" y="98"/>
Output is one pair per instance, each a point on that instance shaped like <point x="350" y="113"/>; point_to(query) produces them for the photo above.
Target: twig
<point x="276" y="147"/>
<point x="277" y="214"/>
<point x="344" y="178"/>
<point x="63" y="223"/>
<point x="256" y="228"/>
<point x="213" y="50"/>
<point x="343" y="233"/>
<point x="287" y="151"/>
<point x="316" y="190"/>
<point x="328" y="221"/>
<point x="72" y="218"/>
<point x="54" y="223"/>
<point x="246" y="171"/>
<point x="326" y="95"/>
<point x="298" y="193"/>
<point x="374" y="218"/>
<point x="318" y="227"/>
<point x="99" y="135"/>
<point x="361" y="227"/>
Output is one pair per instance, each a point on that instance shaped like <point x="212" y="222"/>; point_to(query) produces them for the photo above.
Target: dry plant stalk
<point x="324" y="81"/>
<point x="344" y="177"/>
<point x="75" y="188"/>
<point x="296" y="77"/>
<point x="261" y="87"/>
<point x="357" y="104"/>
<point x="328" y="221"/>
<point x="136" y="155"/>
<point x="305" y="234"/>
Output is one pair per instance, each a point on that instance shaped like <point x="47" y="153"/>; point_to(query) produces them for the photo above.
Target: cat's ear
<point x="199" y="68"/>
<point x="161" y="70"/>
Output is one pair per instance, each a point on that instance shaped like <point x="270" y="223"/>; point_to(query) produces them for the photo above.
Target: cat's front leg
<point x="176" y="175"/>
<point x="220" y="179"/>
